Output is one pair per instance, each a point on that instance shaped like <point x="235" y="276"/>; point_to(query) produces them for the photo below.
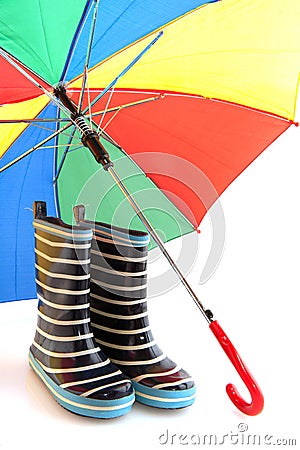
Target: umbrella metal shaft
<point x="206" y="313"/>
<point x="91" y="139"/>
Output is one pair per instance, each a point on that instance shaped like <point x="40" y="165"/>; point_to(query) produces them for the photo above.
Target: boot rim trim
<point x="76" y="233"/>
<point x="129" y="235"/>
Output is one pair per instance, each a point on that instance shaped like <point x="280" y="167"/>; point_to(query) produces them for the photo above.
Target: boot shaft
<point x="120" y="319"/>
<point x="64" y="352"/>
<point x="62" y="265"/>
<point x="119" y="262"/>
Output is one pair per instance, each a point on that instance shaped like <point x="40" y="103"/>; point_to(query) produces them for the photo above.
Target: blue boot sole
<point x="163" y="398"/>
<point x="101" y="409"/>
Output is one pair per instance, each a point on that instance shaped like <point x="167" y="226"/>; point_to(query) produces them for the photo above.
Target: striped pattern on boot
<point x="120" y="320"/>
<point x="64" y="353"/>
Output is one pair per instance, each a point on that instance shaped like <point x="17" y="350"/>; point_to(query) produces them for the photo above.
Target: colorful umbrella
<point x="187" y="87"/>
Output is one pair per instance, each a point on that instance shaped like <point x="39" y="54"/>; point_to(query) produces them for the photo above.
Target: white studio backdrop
<point x="254" y="294"/>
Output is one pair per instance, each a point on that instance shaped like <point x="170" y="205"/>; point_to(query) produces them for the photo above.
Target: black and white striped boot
<point x="119" y="316"/>
<point x="64" y="353"/>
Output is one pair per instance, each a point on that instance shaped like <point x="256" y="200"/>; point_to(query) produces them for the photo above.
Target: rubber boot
<point x="64" y="353"/>
<point x="120" y="320"/>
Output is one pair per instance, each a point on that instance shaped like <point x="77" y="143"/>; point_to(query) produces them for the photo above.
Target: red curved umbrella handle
<point x="257" y="399"/>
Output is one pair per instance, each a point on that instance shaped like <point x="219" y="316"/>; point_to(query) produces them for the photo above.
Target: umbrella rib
<point x="106" y="109"/>
<point x="22" y="65"/>
<point x="42" y="127"/>
<point x="33" y="121"/>
<point x="50" y="129"/>
<point x="101" y="130"/>
<point x="88" y="55"/>
<point x="124" y="71"/>
<point x="89" y="102"/>
<point x="76" y="37"/>
<point x="107" y="137"/>
<point x="35" y="147"/>
<point x="61" y="145"/>
<point x="63" y="158"/>
<point x="54" y="165"/>
<point x="62" y="106"/>
<point x="8" y="58"/>
<point x="127" y="105"/>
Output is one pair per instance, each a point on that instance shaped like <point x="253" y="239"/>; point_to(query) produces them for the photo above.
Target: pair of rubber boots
<point x="93" y="347"/>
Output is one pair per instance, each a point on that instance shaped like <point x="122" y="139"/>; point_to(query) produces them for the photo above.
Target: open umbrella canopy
<point x="192" y="108"/>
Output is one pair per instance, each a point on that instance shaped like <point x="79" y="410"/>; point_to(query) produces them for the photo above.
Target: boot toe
<point x="118" y="391"/>
<point x="110" y="403"/>
<point x="185" y="385"/>
<point x="178" y="381"/>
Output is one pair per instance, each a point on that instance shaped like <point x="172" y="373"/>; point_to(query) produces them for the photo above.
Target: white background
<point x="254" y="295"/>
